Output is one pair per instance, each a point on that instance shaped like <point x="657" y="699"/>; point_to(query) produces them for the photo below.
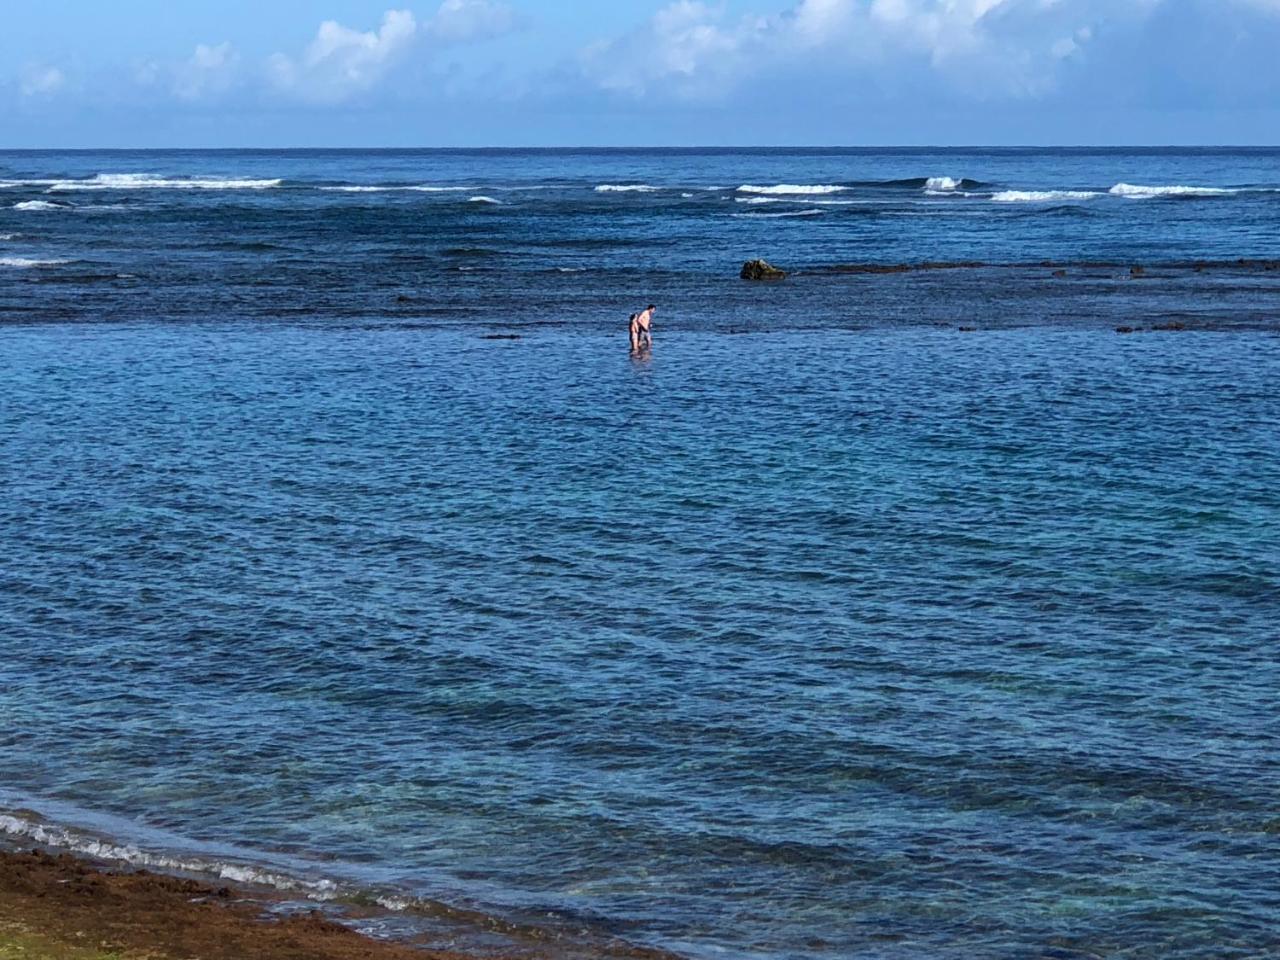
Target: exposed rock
<point x="1172" y="325"/>
<point x="1137" y="271"/>
<point x="1128" y="329"/>
<point x="968" y="329"/>
<point x="761" y="270"/>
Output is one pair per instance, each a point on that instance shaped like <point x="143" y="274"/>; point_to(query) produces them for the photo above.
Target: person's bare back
<point x="642" y="328"/>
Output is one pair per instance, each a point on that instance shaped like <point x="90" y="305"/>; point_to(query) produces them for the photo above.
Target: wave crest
<point x="1042" y="196"/>
<point x="1136" y="191"/>
<point x="151" y="181"/>
<point x="626" y="188"/>
<point x="24" y="263"/>
<point x="792" y="189"/>
<point x="41" y="205"/>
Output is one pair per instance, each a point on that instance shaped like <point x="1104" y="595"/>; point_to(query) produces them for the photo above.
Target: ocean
<point x="924" y="604"/>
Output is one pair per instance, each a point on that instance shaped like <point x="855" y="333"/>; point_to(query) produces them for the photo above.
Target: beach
<point x="920" y="604"/>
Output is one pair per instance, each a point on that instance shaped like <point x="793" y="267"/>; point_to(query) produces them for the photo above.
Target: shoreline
<point x="67" y="889"/>
<point x="61" y="905"/>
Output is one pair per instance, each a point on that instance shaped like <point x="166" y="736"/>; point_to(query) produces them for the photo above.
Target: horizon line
<point x="657" y="147"/>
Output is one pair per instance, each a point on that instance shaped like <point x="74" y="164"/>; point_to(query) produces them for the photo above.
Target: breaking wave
<point x="150" y="181"/>
<point x="792" y="189"/>
<point x="1135" y="191"/>
<point x="41" y="205"/>
<point x="25" y="263"/>
<point x="486" y="200"/>
<point x="626" y="188"/>
<point x="1042" y="196"/>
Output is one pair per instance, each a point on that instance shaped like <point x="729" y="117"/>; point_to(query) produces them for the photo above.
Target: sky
<point x="369" y="73"/>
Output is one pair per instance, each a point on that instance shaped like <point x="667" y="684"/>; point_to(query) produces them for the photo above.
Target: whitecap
<point x="796" y="189"/>
<point x="41" y="205"/>
<point x="489" y="200"/>
<point x="1134" y="191"/>
<point x="9" y="236"/>
<point x="626" y="188"/>
<point x="757" y="201"/>
<point x="571" y="269"/>
<point x="1042" y="196"/>
<point x="942" y="184"/>
<point x="25" y="263"/>
<point x="150" y="181"/>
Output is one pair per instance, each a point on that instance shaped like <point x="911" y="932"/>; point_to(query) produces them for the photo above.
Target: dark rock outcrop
<point x="761" y="270"/>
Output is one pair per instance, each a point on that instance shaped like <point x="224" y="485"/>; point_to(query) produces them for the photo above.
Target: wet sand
<point x="63" y="907"/>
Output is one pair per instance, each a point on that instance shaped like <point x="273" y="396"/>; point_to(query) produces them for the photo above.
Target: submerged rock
<point x="761" y="270"/>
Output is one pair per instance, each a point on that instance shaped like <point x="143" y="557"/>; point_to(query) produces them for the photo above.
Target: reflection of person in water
<point x="642" y="328"/>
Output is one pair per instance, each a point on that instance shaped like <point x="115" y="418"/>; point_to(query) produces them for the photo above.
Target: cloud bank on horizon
<point x="833" y="71"/>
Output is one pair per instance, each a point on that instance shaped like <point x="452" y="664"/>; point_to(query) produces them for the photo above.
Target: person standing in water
<point x="642" y="328"/>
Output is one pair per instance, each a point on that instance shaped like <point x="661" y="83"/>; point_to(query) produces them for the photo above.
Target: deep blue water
<point x="824" y="631"/>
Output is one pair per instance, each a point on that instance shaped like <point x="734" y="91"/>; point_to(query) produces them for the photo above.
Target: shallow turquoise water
<point x="890" y="642"/>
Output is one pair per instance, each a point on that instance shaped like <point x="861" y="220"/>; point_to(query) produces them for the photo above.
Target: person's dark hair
<point x="651" y="307"/>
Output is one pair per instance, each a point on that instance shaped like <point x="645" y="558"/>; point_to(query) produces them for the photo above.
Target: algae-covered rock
<point x="761" y="270"/>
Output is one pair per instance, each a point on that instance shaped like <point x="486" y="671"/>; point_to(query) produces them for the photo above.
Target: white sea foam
<point x="150" y="181"/>
<point x="1135" y="191"/>
<point x="571" y="269"/>
<point x="89" y="845"/>
<point x="8" y="236"/>
<point x="808" y="201"/>
<point x="25" y="263"/>
<point x="785" y="213"/>
<point x="1042" y="196"/>
<point x="626" y="188"/>
<point x="489" y="200"/>
<point x="41" y="205"/>
<point x="794" y="189"/>
<point x="686" y="195"/>
<point x="942" y="184"/>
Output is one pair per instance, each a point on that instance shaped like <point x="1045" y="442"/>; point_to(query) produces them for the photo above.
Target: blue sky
<point x="147" y="73"/>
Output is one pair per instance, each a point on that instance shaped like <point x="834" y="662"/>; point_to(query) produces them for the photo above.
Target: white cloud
<point x="978" y="48"/>
<point x="209" y="71"/>
<point x="40" y="80"/>
<point x="688" y="48"/>
<point x="460" y="21"/>
<point x="341" y="62"/>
